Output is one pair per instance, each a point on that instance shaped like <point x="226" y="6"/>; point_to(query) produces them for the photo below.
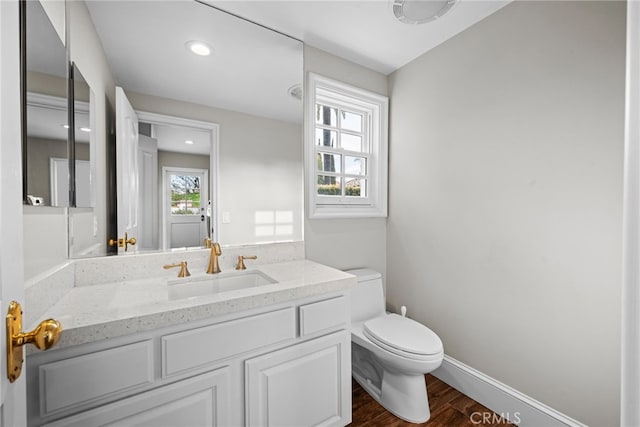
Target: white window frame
<point x="376" y="107"/>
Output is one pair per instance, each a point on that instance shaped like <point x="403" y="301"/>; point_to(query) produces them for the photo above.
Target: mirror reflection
<point x="244" y="187"/>
<point x="46" y="149"/>
<point x="82" y="141"/>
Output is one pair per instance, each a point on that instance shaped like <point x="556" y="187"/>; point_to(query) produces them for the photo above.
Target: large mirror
<point x="218" y="137"/>
<point x="45" y="140"/>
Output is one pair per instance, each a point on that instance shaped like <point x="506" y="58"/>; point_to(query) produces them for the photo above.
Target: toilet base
<point x="405" y="396"/>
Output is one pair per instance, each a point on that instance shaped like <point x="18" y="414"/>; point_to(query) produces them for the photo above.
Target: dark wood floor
<point x="449" y="408"/>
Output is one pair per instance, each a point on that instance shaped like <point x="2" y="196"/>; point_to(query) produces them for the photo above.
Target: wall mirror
<point x="243" y="184"/>
<point x="45" y="139"/>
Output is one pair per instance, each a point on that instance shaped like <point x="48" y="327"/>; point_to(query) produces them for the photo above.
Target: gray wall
<point x="346" y="243"/>
<point x="504" y="234"/>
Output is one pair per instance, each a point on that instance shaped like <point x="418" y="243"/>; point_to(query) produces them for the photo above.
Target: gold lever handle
<point x="184" y="271"/>
<point x="44" y="336"/>
<point x="240" y="265"/>
<point x="123" y="242"/>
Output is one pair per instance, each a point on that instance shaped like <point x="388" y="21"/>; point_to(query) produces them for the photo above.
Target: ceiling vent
<point x="420" y="11"/>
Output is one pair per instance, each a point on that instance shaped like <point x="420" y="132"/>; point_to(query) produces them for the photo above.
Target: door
<point x="12" y="395"/>
<point x="302" y="385"/>
<point x="185" y="206"/>
<point x="126" y="167"/>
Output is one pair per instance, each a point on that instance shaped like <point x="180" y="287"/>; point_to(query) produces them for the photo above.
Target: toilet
<point x="390" y="353"/>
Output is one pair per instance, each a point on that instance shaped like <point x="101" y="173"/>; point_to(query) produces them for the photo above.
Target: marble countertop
<point x="103" y="311"/>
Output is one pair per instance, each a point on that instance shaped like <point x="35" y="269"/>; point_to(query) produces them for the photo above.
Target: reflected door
<point x="127" y="167"/>
<point x="186" y="199"/>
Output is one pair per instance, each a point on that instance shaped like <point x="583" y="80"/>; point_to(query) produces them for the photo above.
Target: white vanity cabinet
<point x="285" y="364"/>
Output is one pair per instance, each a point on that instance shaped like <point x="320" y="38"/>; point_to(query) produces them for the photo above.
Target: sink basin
<point x="217" y="283"/>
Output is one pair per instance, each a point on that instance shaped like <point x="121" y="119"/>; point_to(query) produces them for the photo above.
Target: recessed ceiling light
<point x="188" y="141"/>
<point x="65" y="126"/>
<point x="83" y="129"/>
<point x="420" y="11"/>
<point x="199" y="48"/>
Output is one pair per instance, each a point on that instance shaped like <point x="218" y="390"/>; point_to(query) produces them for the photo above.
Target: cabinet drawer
<point x="77" y="380"/>
<point x="202" y="346"/>
<point x="323" y="315"/>
<point x="198" y="401"/>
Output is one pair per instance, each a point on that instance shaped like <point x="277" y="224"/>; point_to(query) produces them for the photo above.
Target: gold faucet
<point x="184" y="271"/>
<point x="214" y="266"/>
<point x="240" y="265"/>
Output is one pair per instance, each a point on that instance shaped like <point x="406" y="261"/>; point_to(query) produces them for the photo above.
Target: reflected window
<point x="185" y="195"/>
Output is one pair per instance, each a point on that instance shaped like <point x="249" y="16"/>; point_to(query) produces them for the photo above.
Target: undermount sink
<point x="218" y="283"/>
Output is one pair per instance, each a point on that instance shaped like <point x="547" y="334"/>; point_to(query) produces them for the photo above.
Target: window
<point x="346" y="150"/>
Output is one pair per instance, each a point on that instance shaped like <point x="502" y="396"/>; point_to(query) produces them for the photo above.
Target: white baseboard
<point x="517" y="407"/>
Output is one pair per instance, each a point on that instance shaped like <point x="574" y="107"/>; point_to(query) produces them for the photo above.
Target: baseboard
<point x="517" y="407"/>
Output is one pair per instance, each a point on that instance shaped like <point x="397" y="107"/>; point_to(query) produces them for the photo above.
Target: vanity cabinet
<point x="286" y="364"/>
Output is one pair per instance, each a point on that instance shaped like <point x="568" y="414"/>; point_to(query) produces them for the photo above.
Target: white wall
<point x="504" y="234"/>
<point x="346" y="243"/>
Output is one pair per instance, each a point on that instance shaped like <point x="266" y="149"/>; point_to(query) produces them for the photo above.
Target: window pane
<point x="355" y="188"/>
<point x="355" y="165"/>
<point x="326" y="115"/>
<point x="351" y="121"/>
<point x="326" y="138"/>
<point x="351" y="142"/>
<point x="185" y="195"/>
<point x="329" y="185"/>
<point x="328" y="162"/>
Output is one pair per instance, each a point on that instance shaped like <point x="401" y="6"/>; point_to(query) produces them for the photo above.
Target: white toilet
<point x="390" y="353"/>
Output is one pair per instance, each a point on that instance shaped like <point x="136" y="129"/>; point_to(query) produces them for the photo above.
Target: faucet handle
<point x="240" y="265"/>
<point x="184" y="271"/>
<point x="403" y="311"/>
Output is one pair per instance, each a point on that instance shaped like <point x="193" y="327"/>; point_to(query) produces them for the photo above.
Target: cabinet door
<point x="308" y="384"/>
<point x="199" y="401"/>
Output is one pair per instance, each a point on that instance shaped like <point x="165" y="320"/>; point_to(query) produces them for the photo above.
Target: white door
<point x="148" y="188"/>
<point x="126" y="168"/>
<point x="185" y="207"/>
<point x="12" y="395"/>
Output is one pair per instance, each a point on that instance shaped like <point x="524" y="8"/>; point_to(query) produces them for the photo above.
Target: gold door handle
<point x="123" y="242"/>
<point x="44" y="336"/>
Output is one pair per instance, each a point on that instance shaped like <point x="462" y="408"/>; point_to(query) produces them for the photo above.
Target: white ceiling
<point x="172" y="138"/>
<point x="362" y="31"/>
<point x="147" y="55"/>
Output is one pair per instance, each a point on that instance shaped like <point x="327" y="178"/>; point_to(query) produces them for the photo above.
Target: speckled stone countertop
<point x="108" y="310"/>
<point x="107" y="297"/>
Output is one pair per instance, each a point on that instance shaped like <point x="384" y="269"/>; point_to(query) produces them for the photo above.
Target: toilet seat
<point x="403" y="336"/>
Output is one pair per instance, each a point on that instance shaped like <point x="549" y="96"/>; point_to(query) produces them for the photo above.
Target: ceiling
<point x="362" y="31"/>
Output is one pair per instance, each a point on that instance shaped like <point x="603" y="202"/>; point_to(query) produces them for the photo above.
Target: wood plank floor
<point x="449" y="408"/>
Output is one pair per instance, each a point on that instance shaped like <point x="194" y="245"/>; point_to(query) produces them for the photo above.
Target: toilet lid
<point x="402" y="334"/>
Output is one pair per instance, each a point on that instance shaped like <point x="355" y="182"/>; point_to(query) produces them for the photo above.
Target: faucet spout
<point x="214" y="265"/>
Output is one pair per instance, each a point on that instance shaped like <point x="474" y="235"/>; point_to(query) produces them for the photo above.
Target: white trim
<point x="214" y="158"/>
<point x="630" y="351"/>
<point x="377" y="204"/>
<point x="500" y="398"/>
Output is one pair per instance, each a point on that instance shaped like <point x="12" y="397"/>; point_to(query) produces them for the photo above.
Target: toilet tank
<point x="367" y="296"/>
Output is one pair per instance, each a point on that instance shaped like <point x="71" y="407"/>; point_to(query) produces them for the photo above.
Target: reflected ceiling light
<point x="199" y="48"/>
<point x="65" y="126"/>
<point x="83" y="129"/>
<point x="188" y="141"/>
<point x="420" y="11"/>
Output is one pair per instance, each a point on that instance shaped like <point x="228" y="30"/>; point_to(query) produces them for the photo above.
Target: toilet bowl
<point x="390" y="354"/>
